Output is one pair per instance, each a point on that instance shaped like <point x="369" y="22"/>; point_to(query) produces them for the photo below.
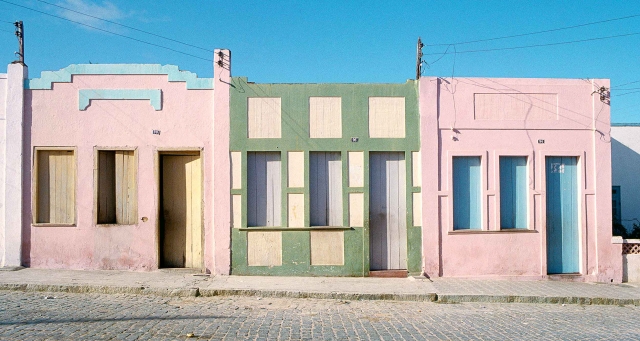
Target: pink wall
<point x="468" y="116"/>
<point x="53" y="119"/>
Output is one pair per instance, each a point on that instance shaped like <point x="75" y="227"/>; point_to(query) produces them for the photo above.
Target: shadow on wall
<point x="625" y="164"/>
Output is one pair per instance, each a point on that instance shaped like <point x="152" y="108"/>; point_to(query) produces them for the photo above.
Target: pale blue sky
<point x="342" y="41"/>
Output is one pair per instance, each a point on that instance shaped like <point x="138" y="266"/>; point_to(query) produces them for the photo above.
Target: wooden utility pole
<point x="20" y="35"/>
<point x="419" y="59"/>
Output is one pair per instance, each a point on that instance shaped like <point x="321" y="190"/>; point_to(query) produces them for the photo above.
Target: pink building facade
<point x="559" y="132"/>
<point x="512" y="178"/>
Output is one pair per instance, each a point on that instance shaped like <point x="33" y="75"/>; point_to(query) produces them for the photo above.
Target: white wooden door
<point x="182" y="211"/>
<point x="387" y="211"/>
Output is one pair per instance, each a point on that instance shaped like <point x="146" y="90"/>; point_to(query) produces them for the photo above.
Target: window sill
<point x="284" y="228"/>
<point x="115" y="225"/>
<point x="52" y="225"/>
<point x="492" y="231"/>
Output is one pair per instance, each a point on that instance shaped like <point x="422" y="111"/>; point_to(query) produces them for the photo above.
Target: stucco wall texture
<point x="548" y="118"/>
<point x="52" y="118"/>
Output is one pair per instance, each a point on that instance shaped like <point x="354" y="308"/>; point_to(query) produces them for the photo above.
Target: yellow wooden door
<point x="182" y="211"/>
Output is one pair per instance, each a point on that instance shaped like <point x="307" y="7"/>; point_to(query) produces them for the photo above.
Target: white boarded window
<point x="325" y="117"/>
<point x="55" y="187"/>
<point x="325" y="188"/>
<point x="116" y="190"/>
<point x="386" y="117"/>
<point x="264" y="117"/>
<point x="263" y="189"/>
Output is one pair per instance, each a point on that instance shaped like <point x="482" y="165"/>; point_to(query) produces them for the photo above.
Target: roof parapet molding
<point x="47" y="78"/>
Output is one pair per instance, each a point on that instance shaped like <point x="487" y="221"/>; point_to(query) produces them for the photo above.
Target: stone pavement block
<point x="443" y="290"/>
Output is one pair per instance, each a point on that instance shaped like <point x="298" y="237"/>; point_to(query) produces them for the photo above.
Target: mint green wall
<point x="295" y="137"/>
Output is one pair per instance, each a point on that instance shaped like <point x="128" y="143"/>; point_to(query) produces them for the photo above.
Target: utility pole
<point x="20" y="35"/>
<point x="419" y="59"/>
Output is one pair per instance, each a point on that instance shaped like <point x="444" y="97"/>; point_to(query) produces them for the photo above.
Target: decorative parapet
<point x="47" y="78"/>
<point x="86" y="95"/>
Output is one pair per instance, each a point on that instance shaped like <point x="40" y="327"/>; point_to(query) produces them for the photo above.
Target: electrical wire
<point x="126" y="26"/>
<point x="8" y="22"/>
<point x="623" y="84"/>
<point x="7" y="31"/>
<point x="627" y="93"/>
<point x="537" y="45"/>
<point x="537" y="32"/>
<point x="107" y="31"/>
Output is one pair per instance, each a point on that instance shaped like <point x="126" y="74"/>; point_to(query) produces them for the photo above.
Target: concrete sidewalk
<point x="443" y="290"/>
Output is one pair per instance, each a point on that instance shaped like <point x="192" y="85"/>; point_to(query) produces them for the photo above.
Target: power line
<point x="129" y="27"/>
<point x="8" y="22"/>
<point x="627" y="93"/>
<point x="536" y="45"/>
<point x="621" y="85"/>
<point x="107" y="31"/>
<point x="538" y="32"/>
<point x="6" y="31"/>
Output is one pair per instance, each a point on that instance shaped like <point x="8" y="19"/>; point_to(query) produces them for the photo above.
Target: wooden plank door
<point x="325" y="188"/>
<point x="182" y="211"/>
<point x="562" y="215"/>
<point x="387" y="211"/>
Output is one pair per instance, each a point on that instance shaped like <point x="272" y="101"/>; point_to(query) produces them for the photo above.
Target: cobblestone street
<point x="57" y="316"/>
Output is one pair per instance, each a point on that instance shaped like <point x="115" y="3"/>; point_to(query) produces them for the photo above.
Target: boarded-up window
<point x="264" y="183"/>
<point x="55" y="187"/>
<point x="386" y="117"/>
<point x="117" y="194"/>
<point x="325" y="117"/>
<point x="264" y="117"/>
<point x="325" y="188"/>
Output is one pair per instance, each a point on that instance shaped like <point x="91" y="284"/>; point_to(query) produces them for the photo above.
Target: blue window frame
<point x="513" y="192"/>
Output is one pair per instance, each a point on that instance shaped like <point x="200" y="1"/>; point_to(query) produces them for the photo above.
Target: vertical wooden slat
<point x="377" y="212"/>
<point x="467" y="190"/>
<point x="71" y="188"/>
<point x="43" y="214"/>
<point x="402" y="211"/>
<point x="274" y="191"/>
<point x="196" y="213"/>
<point x="54" y="182"/>
<point x="188" y="213"/>
<point x="132" y="197"/>
<point x="334" y="198"/>
<point x="119" y="167"/>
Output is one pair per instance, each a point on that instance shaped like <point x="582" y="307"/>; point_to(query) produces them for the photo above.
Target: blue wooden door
<point x="562" y="215"/>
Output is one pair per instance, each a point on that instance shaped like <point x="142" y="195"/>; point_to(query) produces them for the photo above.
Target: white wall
<point x="625" y="163"/>
<point x="12" y="108"/>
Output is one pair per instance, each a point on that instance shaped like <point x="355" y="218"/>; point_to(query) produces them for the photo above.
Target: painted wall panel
<point x="263" y="189"/>
<point x="356" y="169"/>
<point x="327" y="247"/>
<point x="264" y="118"/>
<point x="386" y="117"/>
<point x="356" y="209"/>
<point x="295" y="169"/>
<point x="513" y="192"/>
<point x="236" y="170"/>
<point x="236" y="209"/>
<point x="295" y="204"/>
<point x="325" y="188"/>
<point x="325" y="117"/>
<point x="467" y="193"/>
<point x="264" y="248"/>
<point x="516" y="106"/>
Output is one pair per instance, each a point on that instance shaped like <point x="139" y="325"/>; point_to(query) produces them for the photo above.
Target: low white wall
<point x="631" y="268"/>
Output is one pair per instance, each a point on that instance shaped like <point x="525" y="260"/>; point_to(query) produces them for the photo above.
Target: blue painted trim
<point x="47" y="78"/>
<point x="86" y="95"/>
<point x="625" y="124"/>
